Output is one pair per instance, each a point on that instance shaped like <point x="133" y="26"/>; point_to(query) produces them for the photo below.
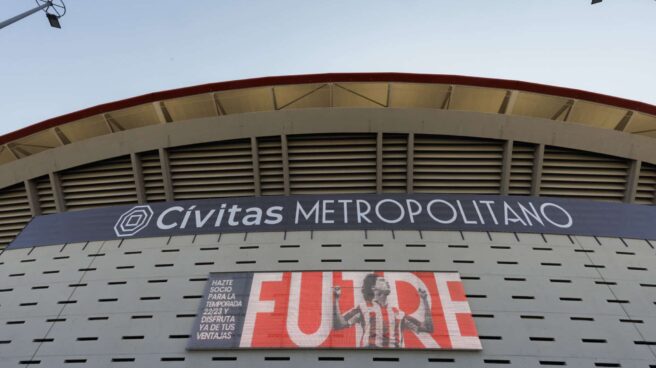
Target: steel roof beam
<point x="301" y="97"/>
<point x="18" y="151"/>
<point x="162" y="112"/>
<point x="508" y="103"/>
<point x="360" y="95"/>
<point x="112" y="125"/>
<point x="625" y="121"/>
<point x="218" y="108"/>
<point x="565" y="109"/>
<point x="447" y="99"/>
<point x="14" y="154"/>
<point x="273" y="99"/>
<point x="61" y="137"/>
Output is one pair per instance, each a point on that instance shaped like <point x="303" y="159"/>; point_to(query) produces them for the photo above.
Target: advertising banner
<point x="334" y="309"/>
<point x="344" y="212"/>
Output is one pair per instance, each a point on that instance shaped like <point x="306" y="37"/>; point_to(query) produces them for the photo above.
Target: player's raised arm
<point x="427" y="324"/>
<point x="339" y="322"/>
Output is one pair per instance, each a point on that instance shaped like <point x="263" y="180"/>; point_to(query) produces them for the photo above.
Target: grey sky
<point x="116" y="49"/>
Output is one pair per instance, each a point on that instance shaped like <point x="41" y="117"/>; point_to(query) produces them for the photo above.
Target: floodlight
<point x="54" y="10"/>
<point x="54" y="20"/>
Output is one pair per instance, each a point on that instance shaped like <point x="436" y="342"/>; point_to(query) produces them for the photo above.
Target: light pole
<point x="57" y="8"/>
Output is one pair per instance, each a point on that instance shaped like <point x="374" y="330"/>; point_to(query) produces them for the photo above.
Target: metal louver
<point x="572" y="173"/>
<point x="270" y="163"/>
<point x="395" y="163"/>
<point x="646" y="191"/>
<point x="45" y="195"/>
<point x="152" y="176"/>
<point x="14" y="212"/>
<point x="332" y="163"/>
<point x="106" y="183"/>
<point x="521" y="170"/>
<point x="221" y="169"/>
<point x="457" y="165"/>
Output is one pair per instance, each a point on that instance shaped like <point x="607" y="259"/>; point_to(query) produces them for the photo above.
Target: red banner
<point x="412" y="310"/>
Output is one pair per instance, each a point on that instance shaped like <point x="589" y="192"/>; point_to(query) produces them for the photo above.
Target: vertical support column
<point x="255" y="158"/>
<point x="137" y="173"/>
<point x="379" y="162"/>
<point x="166" y="173"/>
<point x="633" y="175"/>
<point x="410" y="166"/>
<point x="57" y="193"/>
<point x="32" y="198"/>
<point x="538" y="160"/>
<point x="506" y="166"/>
<point x="285" y="164"/>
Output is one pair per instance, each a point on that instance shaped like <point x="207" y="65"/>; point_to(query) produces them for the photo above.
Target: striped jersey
<point x="382" y="326"/>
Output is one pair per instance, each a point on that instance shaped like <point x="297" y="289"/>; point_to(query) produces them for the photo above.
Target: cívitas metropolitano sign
<point x="340" y="309"/>
<point x="344" y="212"/>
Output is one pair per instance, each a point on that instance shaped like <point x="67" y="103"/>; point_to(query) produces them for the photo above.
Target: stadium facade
<point x="260" y="223"/>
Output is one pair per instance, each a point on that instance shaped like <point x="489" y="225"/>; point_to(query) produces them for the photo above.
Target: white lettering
<point x="506" y="218"/>
<point x="325" y="211"/>
<point x="489" y="204"/>
<point x="392" y="221"/>
<point x="253" y="216"/>
<point x="273" y="215"/>
<point x="306" y="215"/>
<point x="562" y="226"/>
<point x="362" y="215"/>
<point x="345" y="202"/>
<point x="430" y="212"/>
<point x="462" y="212"/>
<point x="411" y="213"/>
<point x="533" y="212"/>
<point x="200" y="222"/>
<point x="160" y="220"/>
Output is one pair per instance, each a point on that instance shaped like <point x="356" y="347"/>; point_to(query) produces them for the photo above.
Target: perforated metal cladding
<point x="220" y="169"/>
<point x="537" y="300"/>
<point x="571" y="173"/>
<point x="332" y="163"/>
<point x="14" y="212"/>
<point x="457" y="165"/>
<point x="105" y="183"/>
<point x="521" y="171"/>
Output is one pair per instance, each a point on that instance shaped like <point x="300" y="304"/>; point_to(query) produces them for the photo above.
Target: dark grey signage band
<point x="344" y="212"/>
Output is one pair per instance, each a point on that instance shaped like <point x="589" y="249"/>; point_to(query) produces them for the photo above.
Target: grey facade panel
<point x="537" y="299"/>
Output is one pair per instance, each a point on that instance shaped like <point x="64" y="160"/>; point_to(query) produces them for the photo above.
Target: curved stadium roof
<point x="378" y="90"/>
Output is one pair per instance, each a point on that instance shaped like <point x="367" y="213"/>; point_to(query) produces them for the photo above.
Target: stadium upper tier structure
<point x="333" y="220"/>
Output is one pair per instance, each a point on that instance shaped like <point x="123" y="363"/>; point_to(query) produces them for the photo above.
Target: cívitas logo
<point x="133" y="221"/>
